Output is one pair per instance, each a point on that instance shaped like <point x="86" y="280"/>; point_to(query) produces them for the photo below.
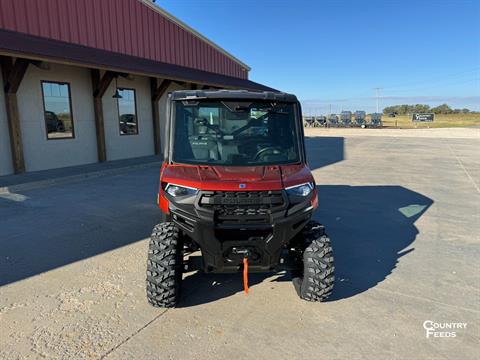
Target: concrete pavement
<point x="402" y="211"/>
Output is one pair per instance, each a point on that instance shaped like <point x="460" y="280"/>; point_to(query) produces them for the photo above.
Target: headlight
<point x="300" y="190"/>
<point x="176" y="190"/>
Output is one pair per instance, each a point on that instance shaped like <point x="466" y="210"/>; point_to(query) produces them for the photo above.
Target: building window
<point x="127" y="112"/>
<point x="57" y="110"/>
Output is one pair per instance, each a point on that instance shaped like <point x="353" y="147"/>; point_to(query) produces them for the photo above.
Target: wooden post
<point x="12" y="78"/>
<point x="16" y="145"/>
<point x="99" y="129"/>
<point x="157" y="91"/>
<point x="100" y="85"/>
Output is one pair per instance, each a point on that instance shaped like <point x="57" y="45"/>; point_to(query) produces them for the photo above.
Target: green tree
<point x="442" y="109"/>
<point x="418" y="108"/>
<point x="409" y="109"/>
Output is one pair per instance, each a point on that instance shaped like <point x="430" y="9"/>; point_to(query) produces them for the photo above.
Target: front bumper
<point x="231" y="225"/>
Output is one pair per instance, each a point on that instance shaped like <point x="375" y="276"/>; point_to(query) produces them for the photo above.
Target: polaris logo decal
<point x="242" y="186"/>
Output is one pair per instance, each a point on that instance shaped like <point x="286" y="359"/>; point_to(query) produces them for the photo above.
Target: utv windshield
<point x="240" y="133"/>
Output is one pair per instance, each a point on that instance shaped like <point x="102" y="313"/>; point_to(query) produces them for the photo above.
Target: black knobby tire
<point x="164" y="266"/>
<point x="316" y="282"/>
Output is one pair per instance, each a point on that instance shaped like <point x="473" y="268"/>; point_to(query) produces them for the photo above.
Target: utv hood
<point x="234" y="178"/>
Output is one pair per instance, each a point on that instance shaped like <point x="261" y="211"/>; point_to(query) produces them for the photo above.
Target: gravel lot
<point x="402" y="208"/>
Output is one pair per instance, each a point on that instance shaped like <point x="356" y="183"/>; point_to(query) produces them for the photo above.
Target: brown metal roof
<point x="34" y="47"/>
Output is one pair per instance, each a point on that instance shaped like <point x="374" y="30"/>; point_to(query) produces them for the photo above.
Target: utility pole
<point x="377" y="89"/>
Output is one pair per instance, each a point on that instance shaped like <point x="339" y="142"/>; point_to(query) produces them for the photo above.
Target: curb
<point x="75" y="178"/>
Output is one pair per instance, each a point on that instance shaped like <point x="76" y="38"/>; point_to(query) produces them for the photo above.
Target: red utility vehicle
<point x="235" y="184"/>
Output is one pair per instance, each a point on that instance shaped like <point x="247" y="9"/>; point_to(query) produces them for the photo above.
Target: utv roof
<point x="232" y="94"/>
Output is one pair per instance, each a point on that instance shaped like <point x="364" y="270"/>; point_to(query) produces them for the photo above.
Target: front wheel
<point x="164" y="266"/>
<point x="316" y="282"/>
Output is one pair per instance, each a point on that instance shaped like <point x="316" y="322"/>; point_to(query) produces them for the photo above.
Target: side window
<point x="127" y="112"/>
<point x="57" y="110"/>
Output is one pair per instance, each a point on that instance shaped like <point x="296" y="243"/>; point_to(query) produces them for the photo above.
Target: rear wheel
<point x="164" y="265"/>
<point x="315" y="281"/>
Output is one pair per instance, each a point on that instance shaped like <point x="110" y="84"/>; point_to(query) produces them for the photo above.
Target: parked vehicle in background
<point x="346" y="118"/>
<point x="308" y="121"/>
<point x="128" y="124"/>
<point x="320" y="121"/>
<point x="361" y="118"/>
<point x="54" y="124"/>
<point x="314" y="121"/>
<point x="376" y="120"/>
<point x="332" y="120"/>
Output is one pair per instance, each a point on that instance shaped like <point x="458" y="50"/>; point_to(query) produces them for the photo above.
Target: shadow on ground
<point x="323" y="151"/>
<point x="200" y="288"/>
<point x="56" y="226"/>
<point x="371" y="227"/>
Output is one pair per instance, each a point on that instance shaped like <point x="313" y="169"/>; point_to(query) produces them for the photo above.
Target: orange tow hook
<point x="245" y="275"/>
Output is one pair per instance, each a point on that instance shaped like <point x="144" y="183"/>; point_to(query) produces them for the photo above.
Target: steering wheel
<point x="265" y="150"/>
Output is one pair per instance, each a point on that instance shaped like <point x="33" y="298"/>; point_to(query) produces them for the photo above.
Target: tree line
<point x="418" y="108"/>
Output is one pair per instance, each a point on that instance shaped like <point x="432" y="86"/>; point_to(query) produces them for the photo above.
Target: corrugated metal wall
<point x="123" y="26"/>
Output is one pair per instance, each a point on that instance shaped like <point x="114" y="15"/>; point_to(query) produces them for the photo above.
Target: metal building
<point x="86" y="80"/>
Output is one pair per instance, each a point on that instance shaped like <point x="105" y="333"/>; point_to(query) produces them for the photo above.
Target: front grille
<point x="242" y="206"/>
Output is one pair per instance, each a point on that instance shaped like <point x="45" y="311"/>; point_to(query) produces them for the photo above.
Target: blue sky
<point x="336" y="52"/>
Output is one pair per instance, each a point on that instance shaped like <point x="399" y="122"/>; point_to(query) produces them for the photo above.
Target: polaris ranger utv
<point x="235" y="184"/>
